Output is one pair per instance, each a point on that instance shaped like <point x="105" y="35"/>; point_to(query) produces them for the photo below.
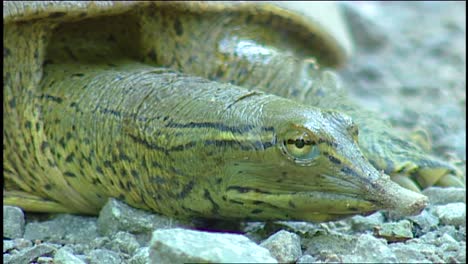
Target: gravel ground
<point x="409" y="65"/>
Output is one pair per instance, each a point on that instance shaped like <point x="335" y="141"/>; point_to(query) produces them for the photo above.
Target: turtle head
<point x="313" y="170"/>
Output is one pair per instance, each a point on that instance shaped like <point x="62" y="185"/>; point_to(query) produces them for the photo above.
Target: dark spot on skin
<point x="86" y="141"/>
<point x="178" y="27"/>
<point x="96" y="181"/>
<point x="6" y="52"/>
<point x="334" y="160"/>
<point x="108" y="164"/>
<point x="240" y="172"/>
<point x="69" y="174"/>
<point x="256" y="211"/>
<point x="51" y="163"/>
<point x="292" y="204"/>
<point x="69" y="135"/>
<point x="99" y="169"/>
<point x="124" y="157"/>
<point x="70" y="158"/>
<point x="62" y="142"/>
<point x="236" y="164"/>
<point x="12" y="103"/>
<point x="246" y="189"/>
<point x="77" y="75"/>
<point x="121" y="184"/>
<point x="56" y="14"/>
<point x="186" y="190"/>
<point x="157" y="180"/>
<point x="215" y="208"/>
<point x="44" y="145"/>
<point x="111" y="38"/>
<point x="28" y="124"/>
<point x="135" y="174"/>
<point x="152" y="55"/>
<point x="349" y="171"/>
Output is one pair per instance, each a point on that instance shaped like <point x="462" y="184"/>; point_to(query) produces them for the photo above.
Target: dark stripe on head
<point x="241" y="189"/>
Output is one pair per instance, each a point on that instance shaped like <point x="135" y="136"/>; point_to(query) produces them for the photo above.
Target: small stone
<point x="363" y="223"/>
<point x="451" y="214"/>
<point x="13" y="222"/>
<point x="182" y="245"/>
<point x="335" y="243"/>
<point x="370" y="249"/>
<point x="306" y="259"/>
<point x="64" y="256"/>
<point x="104" y="256"/>
<point x="45" y="260"/>
<point x="141" y="256"/>
<point x="117" y="216"/>
<point x="7" y="258"/>
<point x="445" y="195"/>
<point x="64" y="228"/>
<point x="21" y="243"/>
<point x="124" y="242"/>
<point x="395" y="232"/>
<point x="425" y="221"/>
<point x="415" y="253"/>
<point x="284" y="246"/>
<point x="30" y="254"/>
<point x="7" y="245"/>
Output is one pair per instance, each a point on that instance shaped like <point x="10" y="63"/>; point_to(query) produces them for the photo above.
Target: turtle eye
<point x="299" y="145"/>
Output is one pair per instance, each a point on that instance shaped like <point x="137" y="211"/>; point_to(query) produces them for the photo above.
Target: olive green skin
<point x="90" y="116"/>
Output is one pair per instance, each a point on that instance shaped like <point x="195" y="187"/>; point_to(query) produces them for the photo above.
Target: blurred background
<point x="409" y="64"/>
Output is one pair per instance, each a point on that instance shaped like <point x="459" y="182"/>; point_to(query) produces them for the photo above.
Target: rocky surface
<point x="409" y="66"/>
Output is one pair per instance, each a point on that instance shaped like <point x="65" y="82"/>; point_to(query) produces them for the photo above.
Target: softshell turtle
<point x="194" y="109"/>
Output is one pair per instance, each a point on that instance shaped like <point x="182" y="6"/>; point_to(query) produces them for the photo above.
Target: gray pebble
<point x="117" y="216"/>
<point x="13" y="222"/>
<point x="415" y="253"/>
<point x="335" y="243"/>
<point x="124" y="242"/>
<point x="64" y="256"/>
<point x="181" y="245"/>
<point x="425" y="221"/>
<point x="29" y="254"/>
<point x="438" y="195"/>
<point x="63" y="228"/>
<point x="451" y="214"/>
<point x="141" y="256"/>
<point x="394" y="232"/>
<point x="21" y="243"/>
<point x="306" y="259"/>
<point x="370" y="249"/>
<point x="104" y="256"/>
<point x="363" y="223"/>
<point x="46" y="260"/>
<point x="7" y="245"/>
<point x="7" y="258"/>
<point x="284" y="246"/>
